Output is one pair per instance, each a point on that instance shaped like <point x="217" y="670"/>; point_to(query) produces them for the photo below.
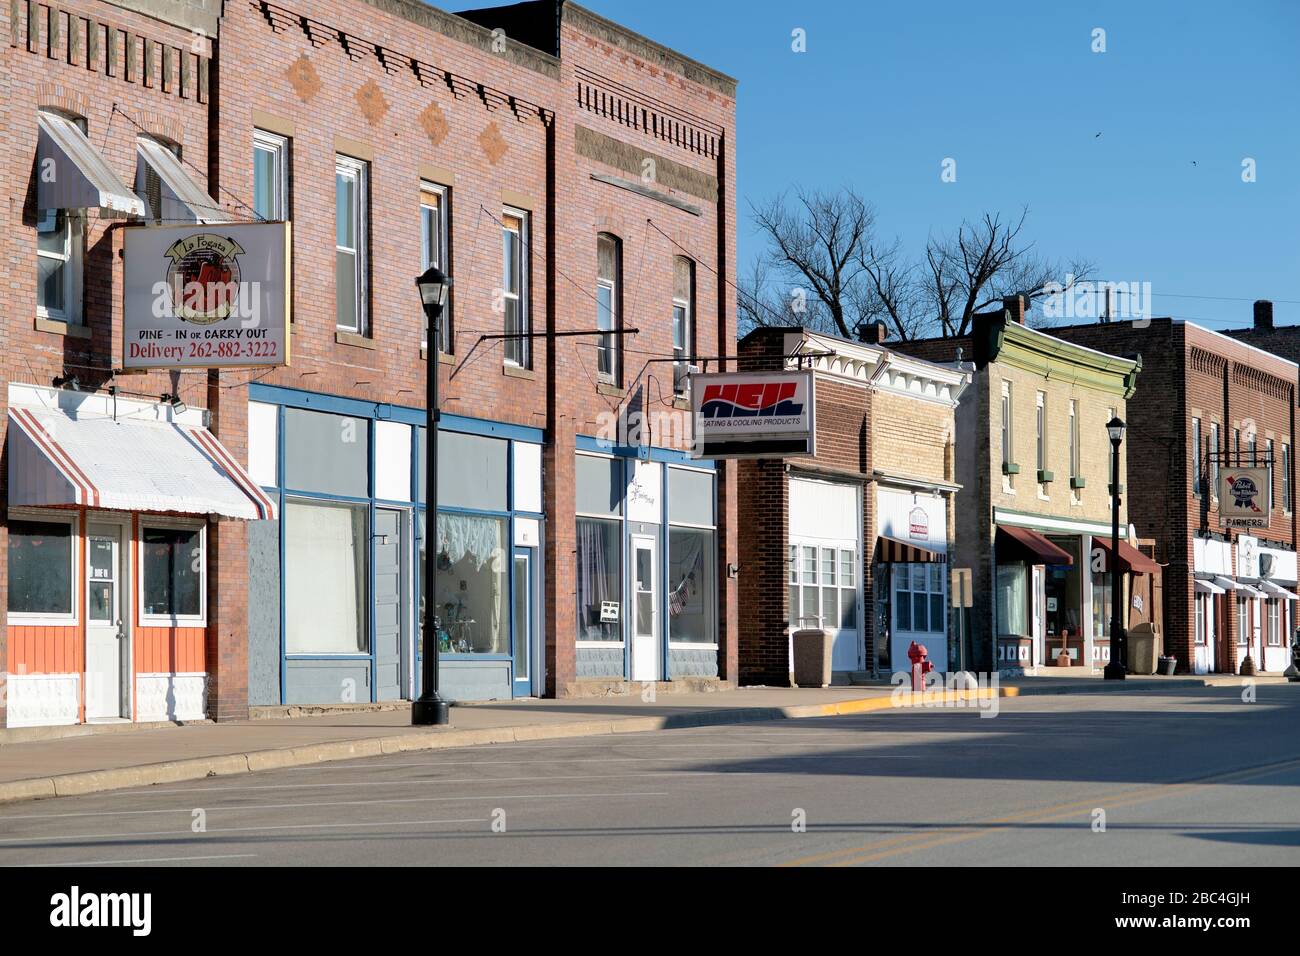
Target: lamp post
<point x="1115" y="667"/>
<point x="430" y="708"/>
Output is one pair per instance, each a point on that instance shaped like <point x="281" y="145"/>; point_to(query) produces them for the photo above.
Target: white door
<point x="1040" y="617"/>
<point x="645" y="610"/>
<point x="105" y="634"/>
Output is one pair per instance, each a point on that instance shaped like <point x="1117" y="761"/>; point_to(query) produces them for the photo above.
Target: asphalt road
<point x="1186" y="778"/>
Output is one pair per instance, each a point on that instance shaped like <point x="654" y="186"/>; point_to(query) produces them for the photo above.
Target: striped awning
<point x="893" y="551"/>
<point x="58" y="458"/>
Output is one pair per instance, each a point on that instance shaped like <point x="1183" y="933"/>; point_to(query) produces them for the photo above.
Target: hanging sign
<point x="206" y="296"/>
<point x="753" y="414"/>
<point x="1245" y="497"/>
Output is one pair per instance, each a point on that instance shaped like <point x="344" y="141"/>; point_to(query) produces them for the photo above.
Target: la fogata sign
<point x="1244" y="497"/>
<point x="206" y="296"/>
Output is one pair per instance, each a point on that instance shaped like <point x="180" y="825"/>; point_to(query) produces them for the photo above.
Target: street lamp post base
<point x="429" y="712"/>
<point x="1113" y="671"/>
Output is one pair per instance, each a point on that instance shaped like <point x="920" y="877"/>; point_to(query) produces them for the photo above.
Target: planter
<point x="1168" y="665"/>
<point x="812" y="658"/>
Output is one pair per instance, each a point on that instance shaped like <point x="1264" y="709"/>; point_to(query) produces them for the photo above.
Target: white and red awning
<point x="124" y="464"/>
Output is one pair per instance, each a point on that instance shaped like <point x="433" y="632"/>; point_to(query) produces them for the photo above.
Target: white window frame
<point x="521" y="295"/>
<point x="1273" y="627"/>
<point x="1196" y="457"/>
<point x="179" y="620"/>
<point x="360" y="170"/>
<point x="1040" y="429"/>
<point x="1007" y="431"/>
<point x="611" y="343"/>
<point x="799" y="579"/>
<point x="72" y="257"/>
<point x="1201" y="636"/>
<point x="1272" y="470"/>
<point x="27" y="619"/>
<point x="1245" y="622"/>
<point x="278" y="147"/>
<point x="685" y="352"/>
<point x="1213" y="490"/>
<point x="1286" y="477"/>
<point x="904" y="578"/>
<point x="443" y="255"/>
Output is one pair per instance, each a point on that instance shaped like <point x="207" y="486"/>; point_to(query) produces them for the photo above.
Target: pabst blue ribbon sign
<point x="206" y="296"/>
<point x="753" y="414"/>
<point x="1244" y="497"/>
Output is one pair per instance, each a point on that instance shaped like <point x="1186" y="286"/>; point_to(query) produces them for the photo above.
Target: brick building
<point x="569" y="174"/>
<point x="1227" y="594"/>
<point x="1033" y="460"/>
<point x="854" y="538"/>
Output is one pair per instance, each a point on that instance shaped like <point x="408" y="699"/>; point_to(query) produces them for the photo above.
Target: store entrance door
<point x="645" y="610"/>
<point x="523" y="623"/>
<point x="107" y="694"/>
<point x="391" y="590"/>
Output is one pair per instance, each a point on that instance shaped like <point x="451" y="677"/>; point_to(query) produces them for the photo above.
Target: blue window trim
<point x="384" y="411"/>
<point x="666" y="455"/>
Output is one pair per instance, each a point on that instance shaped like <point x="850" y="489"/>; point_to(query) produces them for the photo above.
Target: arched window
<point x="683" y="321"/>
<point x="609" y="308"/>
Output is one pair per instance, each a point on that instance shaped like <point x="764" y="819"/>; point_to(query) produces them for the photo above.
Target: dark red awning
<point x="1130" y="558"/>
<point x="893" y="551"/>
<point x="1025" y="545"/>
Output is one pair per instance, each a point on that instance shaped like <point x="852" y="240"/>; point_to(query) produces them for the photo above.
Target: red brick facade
<point x="1193" y="373"/>
<point x="608" y="133"/>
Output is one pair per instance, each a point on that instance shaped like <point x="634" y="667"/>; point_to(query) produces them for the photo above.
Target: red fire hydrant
<point x="917" y="654"/>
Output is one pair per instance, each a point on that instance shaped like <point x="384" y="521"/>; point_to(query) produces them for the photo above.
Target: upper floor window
<point x="60" y="240"/>
<point x="1041" y="429"/>
<point x="1272" y="470"/>
<point x="1074" y="439"/>
<point x="514" y="286"/>
<point x="609" y="311"/>
<point x="351" y="269"/>
<point x="435" y="250"/>
<point x="1214" y="458"/>
<point x="683" y="321"/>
<point x="270" y="176"/>
<point x="1007" y="458"/>
<point x="1286" y="477"/>
<point x="1196" y="457"/>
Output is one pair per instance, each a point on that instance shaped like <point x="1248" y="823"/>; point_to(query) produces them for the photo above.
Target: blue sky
<point x="1013" y="92"/>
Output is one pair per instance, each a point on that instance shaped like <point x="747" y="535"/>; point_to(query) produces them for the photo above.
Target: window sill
<point x="605" y="388"/>
<point x="18" y="619"/>
<point x="57" y="327"/>
<point x="444" y="358"/>
<point x="517" y="371"/>
<point x="149" y="620"/>
<point x="352" y="338"/>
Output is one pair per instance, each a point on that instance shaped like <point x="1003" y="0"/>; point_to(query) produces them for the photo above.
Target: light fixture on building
<point x="178" y="407"/>
<point x="67" y="381"/>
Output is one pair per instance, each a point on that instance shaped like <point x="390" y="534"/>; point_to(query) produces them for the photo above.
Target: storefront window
<point x="1243" y="621"/>
<point x="1201" y="639"/>
<point x="692" y="594"/>
<point x="1274" y="623"/>
<point x="325" y="578"/>
<point x="919" y="598"/>
<point x="472" y="585"/>
<point x="600" y="575"/>
<point x="172" y="571"/>
<point x="40" y="567"/>
<point x="1011" y="599"/>
<point x="1063" y="589"/>
<point x="1101" y="604"/>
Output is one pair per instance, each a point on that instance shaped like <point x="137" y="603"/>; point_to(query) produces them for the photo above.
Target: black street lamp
<point x="1115" y="667"/>
<point x="431" y="708"/>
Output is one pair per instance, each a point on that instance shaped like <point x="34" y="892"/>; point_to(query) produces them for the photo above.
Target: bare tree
<point x="817" y="241"/>
<point x="828" y="242"/>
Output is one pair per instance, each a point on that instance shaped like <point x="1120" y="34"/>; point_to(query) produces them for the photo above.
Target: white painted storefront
<point x="825" y="547"/>
<point x="918" y="592"/>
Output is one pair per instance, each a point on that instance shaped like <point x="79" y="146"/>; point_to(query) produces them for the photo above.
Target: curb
<point x="222" y="765"/>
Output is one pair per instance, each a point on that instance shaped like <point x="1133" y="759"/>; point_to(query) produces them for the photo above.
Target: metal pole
<point x="431" y="708"/>
<point x="1115" y="669"/>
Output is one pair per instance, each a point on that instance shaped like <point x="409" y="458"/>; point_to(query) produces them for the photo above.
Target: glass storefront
<point x="325" y="578"/>
<point x="472" y="587"/>
<point x="1012" y="599"/>
<point x="1063" y="587"/>
<point x="599" y="577"/>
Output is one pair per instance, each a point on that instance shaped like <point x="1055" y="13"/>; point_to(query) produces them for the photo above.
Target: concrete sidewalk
<point x="120" y="756"/>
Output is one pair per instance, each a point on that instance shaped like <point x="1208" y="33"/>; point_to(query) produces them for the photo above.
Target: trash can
<point x="1142" y="649"/>
<point x="1168" y="665"/>
<point x="812" y="657"/>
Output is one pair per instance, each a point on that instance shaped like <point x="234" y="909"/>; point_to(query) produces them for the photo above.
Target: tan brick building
<point x="1033" y="460"/>
<point x="854" y="538"/>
